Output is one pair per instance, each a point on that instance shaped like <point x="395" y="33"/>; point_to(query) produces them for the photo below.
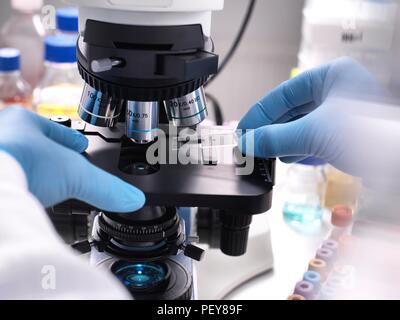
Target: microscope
<point x="145" y="64"/>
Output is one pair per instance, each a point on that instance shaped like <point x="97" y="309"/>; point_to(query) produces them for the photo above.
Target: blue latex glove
<point x="50" y="155"/>
<point x="304" y="117"/>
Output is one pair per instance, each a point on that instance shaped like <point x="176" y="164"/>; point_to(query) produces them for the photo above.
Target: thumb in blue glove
<point x="56" y="171"/>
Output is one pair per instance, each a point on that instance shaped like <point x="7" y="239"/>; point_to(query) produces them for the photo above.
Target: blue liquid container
<point x="305" y="189"/>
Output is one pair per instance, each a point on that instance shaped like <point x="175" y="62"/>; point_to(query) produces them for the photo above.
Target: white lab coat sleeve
<point x="34" y="262"/>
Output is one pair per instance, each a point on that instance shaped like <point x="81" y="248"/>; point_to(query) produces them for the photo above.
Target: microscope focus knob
<point x="193" y="252"/>
<point x="234" y="234"/>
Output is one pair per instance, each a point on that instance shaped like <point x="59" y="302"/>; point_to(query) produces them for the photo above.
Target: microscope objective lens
<point x="142" y="121"/>
<point x="187" y="111"/>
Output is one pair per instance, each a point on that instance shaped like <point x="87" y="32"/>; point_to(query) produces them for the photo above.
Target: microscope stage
<point x="206" y="184"/>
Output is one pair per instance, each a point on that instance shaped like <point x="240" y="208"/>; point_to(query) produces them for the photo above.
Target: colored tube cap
<point x="305" y="289"/>
<point x="313" y="277"/>
<point x="296" y="297"/>
<point x="325" y="254"/>
<point x="319" y="266"/>
<point x="330" y="244"/>
<point x="316" y="265"/>
<point x="342" y="216"/>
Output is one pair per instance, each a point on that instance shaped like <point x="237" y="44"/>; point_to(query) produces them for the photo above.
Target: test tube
<point x="319" y="266"/>
<point x="341" y="219"/>
<point x="325" y="254"/>
<point x="348" y="247"/>
<point x="331" y="245"/>
<point x="305" y="289"/>
<point x="313" y="277"/>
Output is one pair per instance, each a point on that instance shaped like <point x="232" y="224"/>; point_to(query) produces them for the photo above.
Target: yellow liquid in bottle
<point x="341" y="189"/>
<point x="49" y="110"/>
<point x="59" y="100"/>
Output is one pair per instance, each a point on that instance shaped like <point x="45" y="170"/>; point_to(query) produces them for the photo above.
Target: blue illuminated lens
<point x="139" y="275"/>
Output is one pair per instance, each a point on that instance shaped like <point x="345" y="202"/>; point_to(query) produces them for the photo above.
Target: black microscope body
<point x="138" y="80"/>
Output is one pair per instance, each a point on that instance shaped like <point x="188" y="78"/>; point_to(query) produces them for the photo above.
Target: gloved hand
<point x="50" y="155"/>
<point x="319" y="113"/>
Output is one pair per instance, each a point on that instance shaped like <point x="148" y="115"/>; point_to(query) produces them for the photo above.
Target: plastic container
<point x="349" y="24"/>
<point x="25" y="32"/>
<point x="13" y="88"/>
<point x="67" y="20"/>
<point x="341" y="188"/>
<point x="306" y="185"/>
<point x="60" y="90"/>
<point x="361" y="29"/>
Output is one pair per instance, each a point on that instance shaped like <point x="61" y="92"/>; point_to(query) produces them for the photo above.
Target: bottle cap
<point x="312" y="161"/>
<point x="9" y="60"/>
<point x="67" y="19"/>
<point x="61" y="49"/>
<point x="26" y="5"/>
<point x="342" y="216"/>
